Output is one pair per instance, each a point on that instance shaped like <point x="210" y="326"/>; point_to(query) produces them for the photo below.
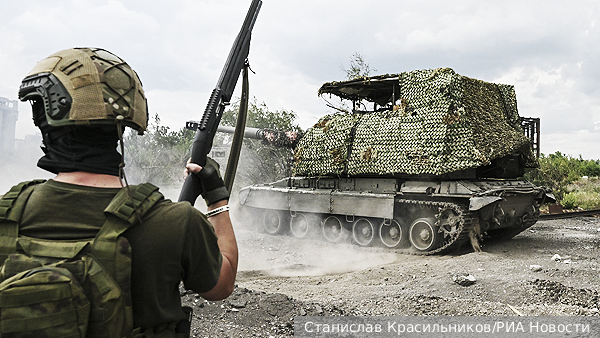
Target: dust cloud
<point x="19" y="166"/>
<point x="286" y="256"/>
<point x="279" y="255"/>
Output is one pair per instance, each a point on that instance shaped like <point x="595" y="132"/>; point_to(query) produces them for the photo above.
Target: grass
<point x="583" y="194"/>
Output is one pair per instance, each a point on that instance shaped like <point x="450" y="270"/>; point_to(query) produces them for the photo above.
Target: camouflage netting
<point x="444" y="123"/>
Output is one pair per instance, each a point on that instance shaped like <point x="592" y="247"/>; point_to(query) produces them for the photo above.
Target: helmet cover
<point x="87" y="86"/>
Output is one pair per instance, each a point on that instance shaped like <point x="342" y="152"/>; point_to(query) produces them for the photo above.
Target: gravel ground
<point x="551" y="269"/>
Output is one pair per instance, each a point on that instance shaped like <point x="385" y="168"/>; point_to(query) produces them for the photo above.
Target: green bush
<point x="558" y="172"/>
<point x="583" y="193"/>
<point x="591" y="168"/>
<point x="581" y="199"/>
<point x="569" y="201"/>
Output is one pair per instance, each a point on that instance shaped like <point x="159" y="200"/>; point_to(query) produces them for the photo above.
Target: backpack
<point x="69" y="288"/>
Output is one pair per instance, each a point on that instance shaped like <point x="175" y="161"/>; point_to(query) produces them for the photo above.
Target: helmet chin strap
<point x="122" y="147"/>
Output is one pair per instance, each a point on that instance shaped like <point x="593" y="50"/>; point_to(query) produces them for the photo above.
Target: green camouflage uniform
<point x="174" y="243"/>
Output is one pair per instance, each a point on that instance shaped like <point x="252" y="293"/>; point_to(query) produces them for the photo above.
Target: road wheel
<point x="299" y="225"/>
<point x="274" y="222"/>
<point x="391" y="233"/>
<point x="424" y="235"/>
<point x="333" y="229"/>
<point x="363" y="231"/>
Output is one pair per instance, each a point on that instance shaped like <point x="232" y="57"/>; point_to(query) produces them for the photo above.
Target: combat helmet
<point x="86" y="86"/>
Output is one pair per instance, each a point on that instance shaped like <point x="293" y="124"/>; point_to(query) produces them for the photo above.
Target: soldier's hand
<point x="213" y="187"/>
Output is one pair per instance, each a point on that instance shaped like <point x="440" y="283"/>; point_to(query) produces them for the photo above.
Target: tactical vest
<point x="69" y="288"/>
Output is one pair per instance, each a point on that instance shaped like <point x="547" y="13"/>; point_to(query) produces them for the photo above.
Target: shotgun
<point x="219" y="98"/>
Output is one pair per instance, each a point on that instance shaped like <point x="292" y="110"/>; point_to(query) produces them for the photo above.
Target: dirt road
<point x="551" y="269"/>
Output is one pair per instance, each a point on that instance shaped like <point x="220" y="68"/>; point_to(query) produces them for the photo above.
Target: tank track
<point x="466" y="221"/>
<point x="462" y="223"/>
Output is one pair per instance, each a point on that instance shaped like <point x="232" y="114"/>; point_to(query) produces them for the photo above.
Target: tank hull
<point x="421" y="216"/>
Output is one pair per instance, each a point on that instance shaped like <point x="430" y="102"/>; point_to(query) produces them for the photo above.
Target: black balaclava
<point x="77" y="148"/>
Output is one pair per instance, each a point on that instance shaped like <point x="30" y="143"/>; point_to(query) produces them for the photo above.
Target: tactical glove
<point x="213" y="187"/>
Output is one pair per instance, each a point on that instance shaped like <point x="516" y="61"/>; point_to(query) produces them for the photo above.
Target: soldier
<point x="82" y="100"/>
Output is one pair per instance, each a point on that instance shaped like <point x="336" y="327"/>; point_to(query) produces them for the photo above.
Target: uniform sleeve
<point x="201" y="257"/>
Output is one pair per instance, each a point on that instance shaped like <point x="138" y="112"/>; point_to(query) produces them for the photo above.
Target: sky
<point x="549" y="50"/>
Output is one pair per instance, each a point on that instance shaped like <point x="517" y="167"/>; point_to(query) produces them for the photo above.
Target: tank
<point x="423" y="161"/>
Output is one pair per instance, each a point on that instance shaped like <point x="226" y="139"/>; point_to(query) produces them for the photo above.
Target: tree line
<point x="159" y="155"/>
